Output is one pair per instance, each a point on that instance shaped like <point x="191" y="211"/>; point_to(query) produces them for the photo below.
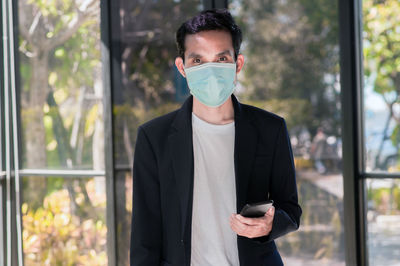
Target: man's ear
<point x="179" y="65"/>
<point x="239" y="63"/>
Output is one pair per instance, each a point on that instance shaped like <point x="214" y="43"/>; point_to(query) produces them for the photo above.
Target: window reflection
<point x="123" y="187"/>
<point x="292" y="69"/>
<point x="150" y="86"/>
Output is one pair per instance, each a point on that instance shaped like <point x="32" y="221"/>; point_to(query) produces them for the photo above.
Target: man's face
<point x="208" y="46"/>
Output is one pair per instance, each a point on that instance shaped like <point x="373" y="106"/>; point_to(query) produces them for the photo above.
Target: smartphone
<point x="256" y="209"/>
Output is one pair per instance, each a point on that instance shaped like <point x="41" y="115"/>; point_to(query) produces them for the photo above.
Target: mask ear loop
<point x="236" y="75"/>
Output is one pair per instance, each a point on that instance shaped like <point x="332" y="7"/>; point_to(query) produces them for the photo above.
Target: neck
<point x="220" y="115"/>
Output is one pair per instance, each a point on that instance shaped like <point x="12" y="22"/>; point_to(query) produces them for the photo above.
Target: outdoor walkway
<point x="383" y="230"/>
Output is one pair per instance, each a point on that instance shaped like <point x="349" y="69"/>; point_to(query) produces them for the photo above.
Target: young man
<point x="195" y="168"/>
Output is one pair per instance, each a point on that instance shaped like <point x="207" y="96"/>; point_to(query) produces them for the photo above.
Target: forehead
<point x="213" y="41"/>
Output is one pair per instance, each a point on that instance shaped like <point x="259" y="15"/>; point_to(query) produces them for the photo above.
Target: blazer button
<point x="182" y="242"/>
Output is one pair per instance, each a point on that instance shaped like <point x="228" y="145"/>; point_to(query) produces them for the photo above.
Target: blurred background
<point x="89" y="72"/>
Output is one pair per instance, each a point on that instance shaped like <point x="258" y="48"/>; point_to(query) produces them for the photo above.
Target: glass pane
<point x="64" y="221"/>
<point x="292" y="69"/>
<point x="150" y="86"/>
<point x="150" y="83"/>
<point x="3" y="229"/>
<point x="383" y="221"/>
<point x="123" y="187"/>
<point x="291" y="50"/>
<point x="60" y="84"/>
<point x="381" y="25"/>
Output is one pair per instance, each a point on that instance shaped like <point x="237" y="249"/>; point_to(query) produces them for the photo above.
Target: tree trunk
<point x="34" y="131"/>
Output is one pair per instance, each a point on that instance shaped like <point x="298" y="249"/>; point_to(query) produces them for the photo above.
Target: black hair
<point x="213" y="19"/>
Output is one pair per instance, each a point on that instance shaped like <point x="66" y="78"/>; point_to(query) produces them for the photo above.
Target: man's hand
<point x="252" y="227"/>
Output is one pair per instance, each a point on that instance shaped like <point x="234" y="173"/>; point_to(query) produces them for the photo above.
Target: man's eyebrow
<point x="193" y="55"/>
<point x="226" y="52"/>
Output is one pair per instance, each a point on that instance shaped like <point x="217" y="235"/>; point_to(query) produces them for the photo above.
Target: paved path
<point x="295" y="261"/>
<point x="331" y="183"/>
<point x="383" y="230"/>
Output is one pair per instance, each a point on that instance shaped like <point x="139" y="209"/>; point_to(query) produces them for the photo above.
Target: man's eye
<point x="196" y="61"/>
<point x="223" y="58"/>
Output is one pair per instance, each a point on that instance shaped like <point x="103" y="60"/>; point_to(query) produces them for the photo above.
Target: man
<point x="195" y="168"/>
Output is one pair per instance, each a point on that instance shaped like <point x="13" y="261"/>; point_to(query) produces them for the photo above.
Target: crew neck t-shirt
<point x="214" y="195"/>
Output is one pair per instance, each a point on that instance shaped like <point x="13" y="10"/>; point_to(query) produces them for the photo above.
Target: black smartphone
<point x="256" y="209"/>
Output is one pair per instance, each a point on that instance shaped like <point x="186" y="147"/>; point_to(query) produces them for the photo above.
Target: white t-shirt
<point x="214" y="243"/>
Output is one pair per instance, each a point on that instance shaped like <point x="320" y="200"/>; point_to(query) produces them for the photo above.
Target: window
<point x="146" y="84"/>
<point x="381" y="50"/>
<point x="54" y="162"/>
<point x="291" y="51"/>
<point x="66" y="145"/>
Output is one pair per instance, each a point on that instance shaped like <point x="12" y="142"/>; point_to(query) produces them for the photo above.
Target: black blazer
<point x="163" y="185"/>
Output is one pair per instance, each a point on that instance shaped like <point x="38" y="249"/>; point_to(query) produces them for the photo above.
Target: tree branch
<point x="25" y="21"/>
<point x="90" y="9"/>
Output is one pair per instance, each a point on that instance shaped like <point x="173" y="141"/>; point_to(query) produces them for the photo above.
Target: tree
<point x="59" y="60"/>
<point x="61" y="112"/>
<point x="292" y="53"/>
<point x="44" y="28"/>
<point x="382" y="59"/>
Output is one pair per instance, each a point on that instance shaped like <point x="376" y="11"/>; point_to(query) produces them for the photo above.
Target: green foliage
<point x="382" y="52"/>
<point x="54" y="235"/>
<point x="75" y="61"/>
<point x="291" y="50"/>
<point x="385" y="200"/>
<point x="395" y="137"/>
<point x="149" y="49"/>
<point x="71" y="68"/>
<point x="127" y="120"/>
<point x="296" y="111"/>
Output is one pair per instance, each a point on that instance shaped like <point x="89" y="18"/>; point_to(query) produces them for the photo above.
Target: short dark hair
<point x="213" y="19"/>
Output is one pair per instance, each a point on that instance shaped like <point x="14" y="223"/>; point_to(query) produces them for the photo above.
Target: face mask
<point x="211" y="83"/>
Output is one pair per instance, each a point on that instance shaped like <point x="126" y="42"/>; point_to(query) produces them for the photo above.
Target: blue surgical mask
<point x="211" y="83"/>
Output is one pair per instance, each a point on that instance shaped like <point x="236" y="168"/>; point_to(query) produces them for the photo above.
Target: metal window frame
<point x="62" y="173"/>
<point x="2" y="229"/>
<point x="108" y="133"/>
<point x="210" y="4"/>
<point x="2" y="172"/>
<point x="351" y="79"/>
<point x="13" y="235"/>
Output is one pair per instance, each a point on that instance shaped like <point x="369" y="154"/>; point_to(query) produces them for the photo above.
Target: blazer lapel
<point x="181" y="150"/>
<point x="245" y="148"/>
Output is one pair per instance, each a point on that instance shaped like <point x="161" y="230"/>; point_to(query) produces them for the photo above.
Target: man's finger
<point x="270" y="213"/>
<point x="237" y="227"/>
<point x="250" y="221"/>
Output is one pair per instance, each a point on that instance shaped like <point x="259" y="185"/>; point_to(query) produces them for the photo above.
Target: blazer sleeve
<point x="283" y="189"/>
<point x="146" y="234"/>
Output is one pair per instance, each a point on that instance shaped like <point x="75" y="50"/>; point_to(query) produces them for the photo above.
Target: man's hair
<point x="213" y="19"/>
